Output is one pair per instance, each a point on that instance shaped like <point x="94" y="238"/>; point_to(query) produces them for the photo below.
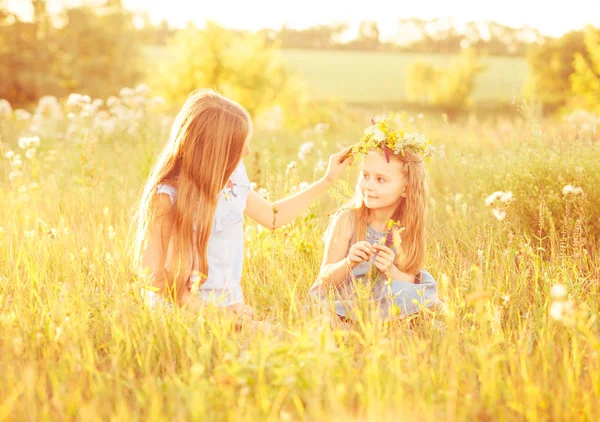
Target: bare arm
<point x="396" y="274"/>
<point x="336" y="267"/>
<point x="155" y="253"/>
<point x="274" y="215"/>
<point x="285" y="210"/>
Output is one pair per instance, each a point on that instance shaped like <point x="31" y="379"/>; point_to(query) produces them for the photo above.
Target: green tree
<point x="449" y="88"/>
<point x="585" y="81"/>
<point x="25" y="56"/>
<point x="93" y="51"/>
<point x="421" y="80"/>
<point x="99" y="51"/>
<point x="550" y="68"/>
<point x="245" y="67"/>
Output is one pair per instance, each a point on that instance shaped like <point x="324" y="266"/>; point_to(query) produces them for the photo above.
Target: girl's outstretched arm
<point x="274" y="215"/>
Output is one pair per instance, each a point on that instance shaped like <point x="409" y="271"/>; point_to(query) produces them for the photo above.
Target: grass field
<point x="368" y="77"/>
<point x="519" y="341"/>
<point x="372" y="77"/>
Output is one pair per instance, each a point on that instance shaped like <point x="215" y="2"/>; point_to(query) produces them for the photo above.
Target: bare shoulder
<point x="341" y="225"/>
<point x="162" y="206"/>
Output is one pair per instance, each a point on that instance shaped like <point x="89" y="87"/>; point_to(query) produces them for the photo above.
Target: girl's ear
<point x="403" y="193"/>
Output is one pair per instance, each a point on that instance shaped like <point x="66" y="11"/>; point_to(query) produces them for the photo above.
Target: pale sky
<point x="550" y="17"/>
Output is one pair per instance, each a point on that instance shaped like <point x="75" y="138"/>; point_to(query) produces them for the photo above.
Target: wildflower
<point x="126" y="92"/>
<point x="303" y="185"/>
<point x="112" y="102"/>
<point x="17" y="163"/>
<point x="306" y="149"/>
<point x="558" y="291"/>
<point x="59" y="332"/>
<point x="562" y="310"/>
<point x="321" y="165"/>
<point x="491" y="200"/>
<point x="53" y="233"/>
<point x="48" y="106"/>
<point x="21" y="114"/>
<point x="142" y="89"/>
<point x="157" y="101"/>
<point x="30" y="153"/>
<point x="378" y="135"/>
<point x="29" y="234"/>
<point x="500" y="214"/>
<point x="78" y="100"/>
<point x="292" y="165"/>
<point x="111" y="233"/>
<point x="507" y="198"/>
<point x="28" y="141"/>
<point x="569" y="190"/>
<point x="5" y="108"/>
<point x="321" y="127"/>
<point x="14" y="175"/>
<point x="9" y="154"/>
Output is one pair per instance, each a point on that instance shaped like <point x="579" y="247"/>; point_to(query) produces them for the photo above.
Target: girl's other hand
<point x="385" y="258"/>
<point x="360" y="252"/>
<point x="241" y="312"/>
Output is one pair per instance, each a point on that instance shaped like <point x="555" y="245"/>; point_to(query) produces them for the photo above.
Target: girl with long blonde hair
<point x="377" y="244"/>
<point x="189" y="241"/>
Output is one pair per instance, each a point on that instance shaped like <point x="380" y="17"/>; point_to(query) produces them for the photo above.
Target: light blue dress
<point x="391" y="299"/>
<point x="225" y="251"/>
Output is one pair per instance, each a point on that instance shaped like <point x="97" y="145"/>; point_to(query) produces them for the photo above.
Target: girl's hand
<point x="360" y="252"/>
<point x="241" y="312"/>
<point x="338" y="162"/>
<point x="385" y="258"/>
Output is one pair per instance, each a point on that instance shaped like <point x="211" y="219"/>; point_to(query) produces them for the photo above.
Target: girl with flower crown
<point x="376" y="247"/>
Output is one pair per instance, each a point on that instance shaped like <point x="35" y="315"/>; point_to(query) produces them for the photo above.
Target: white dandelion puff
<point x="21" y="114"/>
<point x="30" y="153"/>
<point x="5" y="108"/>
<point x="500" y="214"/>
<point x="305" y="150"/>
<point x="558" y="291"/>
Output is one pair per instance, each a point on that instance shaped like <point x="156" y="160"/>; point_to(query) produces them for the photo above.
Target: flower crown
<point x="382" y="136"/>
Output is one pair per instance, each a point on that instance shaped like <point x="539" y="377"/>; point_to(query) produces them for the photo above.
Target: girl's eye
<point x="380" y="180"/>
<point x="365" y="176"/>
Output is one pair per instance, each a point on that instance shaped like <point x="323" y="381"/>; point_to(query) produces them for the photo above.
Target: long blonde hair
<point x="204" y="148"/>
<point x="410" y="212"/>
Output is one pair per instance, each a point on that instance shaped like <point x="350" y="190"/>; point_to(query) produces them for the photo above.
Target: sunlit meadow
<point x="513" y="237"/>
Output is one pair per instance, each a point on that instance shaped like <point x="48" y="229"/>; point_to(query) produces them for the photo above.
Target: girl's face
<point x="382" y="184"/>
